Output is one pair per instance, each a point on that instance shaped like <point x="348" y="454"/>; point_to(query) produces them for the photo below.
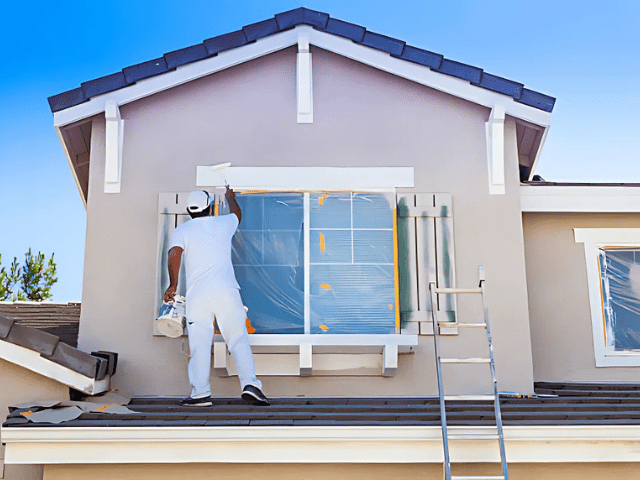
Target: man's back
<point x="206" y="242"/>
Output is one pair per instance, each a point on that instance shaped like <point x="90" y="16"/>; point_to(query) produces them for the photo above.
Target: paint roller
<point x="221" y="166"/>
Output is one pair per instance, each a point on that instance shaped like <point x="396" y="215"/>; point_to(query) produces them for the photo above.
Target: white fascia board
<point x="579" y="199"/>
<point x="538" y="152"/>
<point x="32" y="360"/>
<point x="342" y="444"/>
<point x="307" y="178"/>
<point x="424" y="75"/>
<point x="329" y="340"/>
<point x="342" y="46"/>
<point x="181" y="75"/>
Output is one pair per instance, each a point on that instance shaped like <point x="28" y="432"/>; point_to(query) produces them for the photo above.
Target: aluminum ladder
<point x="434" y="292"/>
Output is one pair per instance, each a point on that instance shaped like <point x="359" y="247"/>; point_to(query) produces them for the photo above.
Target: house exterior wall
<point x="17" y="385"/>
<point x="561" y="328"/>
<point x="247" y="115"/>
<point x="413" y="471"/>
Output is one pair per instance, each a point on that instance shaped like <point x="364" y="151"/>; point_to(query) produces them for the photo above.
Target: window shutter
<point x="426" y="254"/>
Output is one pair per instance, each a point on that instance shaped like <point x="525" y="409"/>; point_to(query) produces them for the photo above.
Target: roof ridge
<point x="286" y="21"/>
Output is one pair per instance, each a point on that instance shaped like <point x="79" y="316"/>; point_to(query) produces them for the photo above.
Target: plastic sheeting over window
<point x="346" y="271"/>
<point x="620" y="283"/>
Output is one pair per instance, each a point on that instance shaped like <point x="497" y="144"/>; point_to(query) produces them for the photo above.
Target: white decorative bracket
<point x="304" y="84"/>
<point x="113" y="148"/>
<point x="495" y="150"/>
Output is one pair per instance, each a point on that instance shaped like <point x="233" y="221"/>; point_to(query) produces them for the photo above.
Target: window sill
<point x="319" y="354"/>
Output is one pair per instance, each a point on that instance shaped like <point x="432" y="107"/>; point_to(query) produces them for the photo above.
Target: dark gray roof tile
<point x="384" y="43"/>
<point x="422" y="57"/>
<point x="66" y="99"/>
<point x="300" y="16"/>
<point x="183" y="56"/>
<point x="144" y="70"/>
<point x="5" y="326"/>
<point x="460" y="70"/>
<point x="105" y="84"/>
<point x="225" y="42"/>
<point x="500" y="85"/>
<point x="76" y="360"/>
<point x="286" y="20"/>
<point x="345" y="29"/>
<point x="537" y="100"/>
<point x="36" y="340"/>
<point x="258" y="30"/>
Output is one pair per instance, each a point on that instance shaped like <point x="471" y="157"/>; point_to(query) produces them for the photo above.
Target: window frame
<point x="595" y="239"/>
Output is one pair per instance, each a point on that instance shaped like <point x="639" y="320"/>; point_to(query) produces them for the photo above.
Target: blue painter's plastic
<point x="330" y="210"/>
<point x="357" y="301"/>
<point x="351" y="269"/>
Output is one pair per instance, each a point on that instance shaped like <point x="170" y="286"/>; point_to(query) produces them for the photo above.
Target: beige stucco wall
<point x="564" y="471"/>
<point x="17" y="385"/>
<point x="561" y="328"/>
<point x="247" y="115"/>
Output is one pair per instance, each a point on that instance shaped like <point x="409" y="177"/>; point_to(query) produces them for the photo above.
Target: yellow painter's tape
<point x="322" y="242"/>
<point x="323" y="327"/>
<point x="325" y="285"/>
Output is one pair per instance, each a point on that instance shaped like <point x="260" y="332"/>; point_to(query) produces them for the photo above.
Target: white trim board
<point x="539" y="198"/>
<point x="299" y="444"/>
<point x="594" y="239"/>
<point x="342" y="46"/>
<point x="307" y="178"/>
<point x="32" y="360"/>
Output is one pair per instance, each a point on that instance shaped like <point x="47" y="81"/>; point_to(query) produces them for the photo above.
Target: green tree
<point x="36" y="280"/>
<point x="8" y="279"/>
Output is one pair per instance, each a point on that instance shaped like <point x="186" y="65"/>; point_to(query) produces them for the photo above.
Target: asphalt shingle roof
<point x="287" y="20"/>
<point x="554" y="404"/>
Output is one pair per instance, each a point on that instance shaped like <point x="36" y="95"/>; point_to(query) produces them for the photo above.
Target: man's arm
<point x="234" y="208"/>
<point x="175" y="258"/>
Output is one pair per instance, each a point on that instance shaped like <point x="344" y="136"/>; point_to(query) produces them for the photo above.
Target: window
<point x="319" y="263"/>
<point x="613" y="270"/>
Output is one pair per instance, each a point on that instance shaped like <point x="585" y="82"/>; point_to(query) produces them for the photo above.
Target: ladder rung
<point x="477" y="477"/>
<point x="465" y="360"/>
<point x="461" y="325"/>
<point x="458" y="290"/>
<point x="471" y="436"/>
<point x="470" y="397"/>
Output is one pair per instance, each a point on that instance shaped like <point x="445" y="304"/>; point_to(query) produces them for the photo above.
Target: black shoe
<point x="253" y="394"/>
<point x="196" y="402"/>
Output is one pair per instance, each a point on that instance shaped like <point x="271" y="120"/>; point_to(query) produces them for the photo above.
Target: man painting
<point x="212" y="291"/>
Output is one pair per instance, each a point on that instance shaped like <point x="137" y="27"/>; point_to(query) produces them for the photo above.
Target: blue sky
<point x="583" y="53"/>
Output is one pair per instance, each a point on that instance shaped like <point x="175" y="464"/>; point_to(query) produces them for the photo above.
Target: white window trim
<point x="593" y="240"/>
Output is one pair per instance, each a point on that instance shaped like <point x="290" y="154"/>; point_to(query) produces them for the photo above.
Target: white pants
<point x="203" y="304"/>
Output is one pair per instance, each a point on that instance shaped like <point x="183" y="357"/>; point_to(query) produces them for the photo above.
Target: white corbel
<point x="495" y="151"/>
<point x="113" y="148"/>
<point x="304" y="84"/>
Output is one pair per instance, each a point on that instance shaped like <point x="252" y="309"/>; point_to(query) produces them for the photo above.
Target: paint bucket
<point x="171" y="317"/>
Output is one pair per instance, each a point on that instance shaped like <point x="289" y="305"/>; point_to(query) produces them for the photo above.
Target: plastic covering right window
<point x="319" y="263"/>
<point x="620" y="291"/>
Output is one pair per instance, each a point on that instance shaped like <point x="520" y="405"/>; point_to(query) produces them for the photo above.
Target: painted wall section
<point x="18" y="385"/>
<point x="413" y="471"/>
<point x="561" y="328"/>
<point x="246" y="115"/>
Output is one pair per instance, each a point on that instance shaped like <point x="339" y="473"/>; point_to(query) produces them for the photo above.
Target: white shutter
<point x="426" y="254"/>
